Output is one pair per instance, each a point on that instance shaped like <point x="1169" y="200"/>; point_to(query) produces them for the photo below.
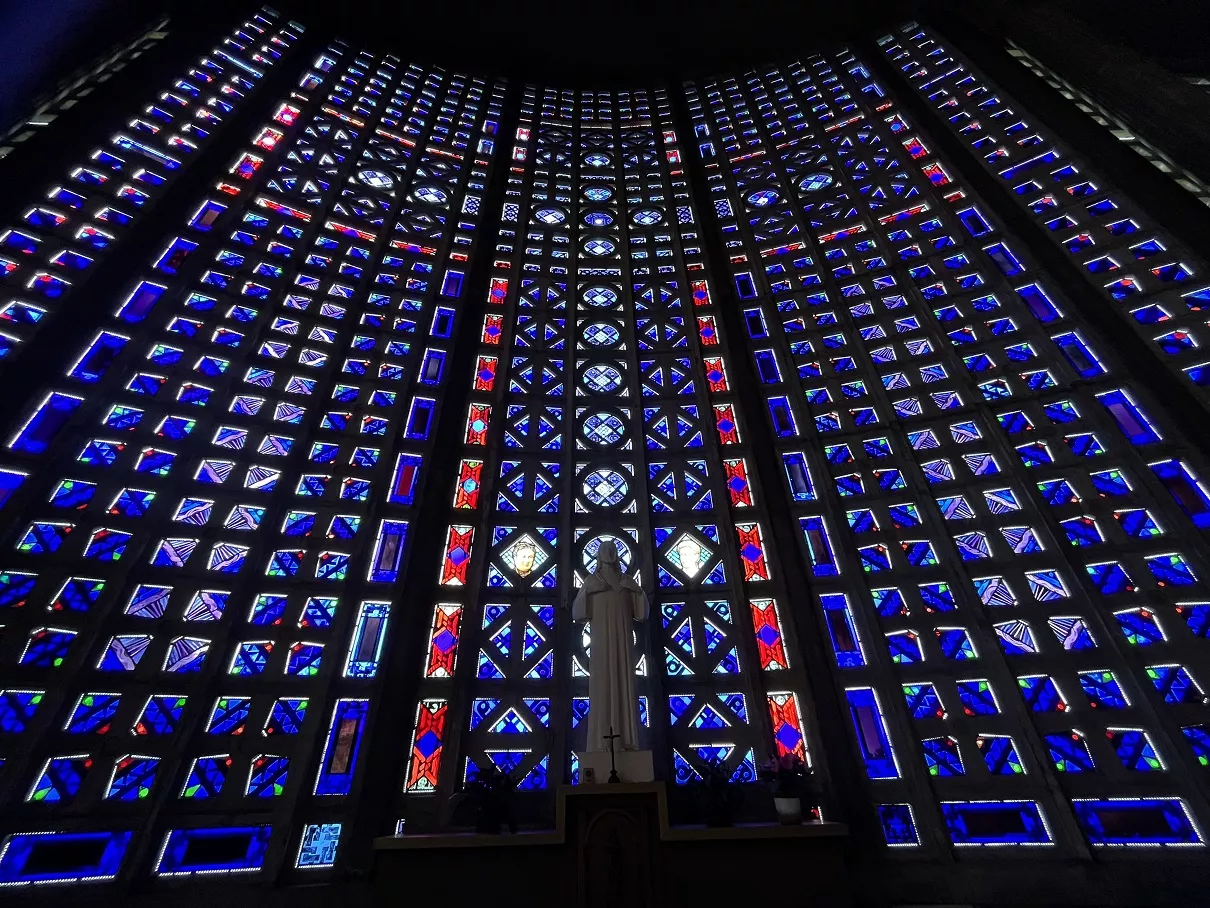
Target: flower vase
<point x="789" y="810"/>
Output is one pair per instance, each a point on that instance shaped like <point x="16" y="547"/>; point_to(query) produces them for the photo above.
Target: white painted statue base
<point x="633" y="766"/>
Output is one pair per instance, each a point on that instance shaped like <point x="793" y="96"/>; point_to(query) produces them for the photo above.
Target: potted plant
<point x="491" y="795"/>
<point x="790" y="778"/>
<point x="718" y="799"/>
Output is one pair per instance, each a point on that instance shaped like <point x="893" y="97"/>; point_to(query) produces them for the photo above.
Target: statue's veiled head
<point x="607" y="556"/>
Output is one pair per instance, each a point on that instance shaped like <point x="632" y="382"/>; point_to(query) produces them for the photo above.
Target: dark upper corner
<point x="591" y="45"/>
<point x="554" y="42"/>
<point x="1173" y="33"/>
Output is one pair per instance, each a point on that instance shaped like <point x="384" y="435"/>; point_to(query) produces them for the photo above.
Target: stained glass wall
<point x="601" y="409"/>
<point x="209" y="547"/>
<point x="1005" y="540"/>
<point x="219" y="491"/>
<point x="1146" y="275"/>
<point x="78" y="221"/>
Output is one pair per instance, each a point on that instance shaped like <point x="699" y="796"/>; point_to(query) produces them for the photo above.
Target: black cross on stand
<point x="613" y="766"/>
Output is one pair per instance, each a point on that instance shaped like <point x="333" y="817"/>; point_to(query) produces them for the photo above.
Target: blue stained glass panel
<point x="220" y="849"/>
<point x="36" y="857"/>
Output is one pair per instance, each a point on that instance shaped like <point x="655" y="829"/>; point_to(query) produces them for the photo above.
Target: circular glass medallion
<point x="605" y="488"/>
<point x="601" y="378"/>
<point x="550" y="215"/>
<point x="645" y="217"/>
<point x="596" y="160"/>
<point x="431" y="194"/>
<point x="598" y="219"/>
<point x="600" y="296"/>
<point x="599" y="246"/>
<point x="378" y="179"/>
<point x="598" y="193"/>
<point x="763" y="198"/>
<point x="813" y="182"/>
<point x="604" y="429"/>
<point x="601" y="334"/>
<point x="590" y="551"/>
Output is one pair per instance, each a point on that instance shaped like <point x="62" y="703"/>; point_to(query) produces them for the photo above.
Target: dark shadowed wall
<point x="41" y="41"/>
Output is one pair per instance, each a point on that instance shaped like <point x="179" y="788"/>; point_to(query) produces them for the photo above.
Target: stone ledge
<point x="558" y="836"/>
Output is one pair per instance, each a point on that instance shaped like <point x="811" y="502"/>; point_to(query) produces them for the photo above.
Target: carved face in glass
<point x="689" y="555"/>
<point x="523" y="556"/>
<point x="524" y="553"/>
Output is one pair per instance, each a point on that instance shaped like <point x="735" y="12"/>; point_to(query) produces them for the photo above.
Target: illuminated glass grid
<point x="73" y="224"/>
<point x="601" y="409"/>
<point x="990" y="517"/>
<point x="1147" y="276"/>
<point x="212" y="507"/>
<point x="223" y="459"/>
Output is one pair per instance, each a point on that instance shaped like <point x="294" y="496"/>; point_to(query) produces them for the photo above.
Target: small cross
<point x="613" y="766"/>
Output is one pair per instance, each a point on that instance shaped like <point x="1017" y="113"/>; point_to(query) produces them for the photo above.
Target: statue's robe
<point x="611" y="602"/>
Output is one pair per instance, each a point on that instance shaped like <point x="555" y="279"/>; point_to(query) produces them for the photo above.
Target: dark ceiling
<point x="589" y="43"/>
<point x="630" y="42"/>
<point x="627" y="42"/>
<point x="1174" y="33"/>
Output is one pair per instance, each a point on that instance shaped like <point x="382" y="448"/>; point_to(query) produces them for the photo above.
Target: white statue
<point x="612" y="602"/>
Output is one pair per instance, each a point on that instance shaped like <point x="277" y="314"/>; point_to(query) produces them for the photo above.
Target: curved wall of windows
<point x="253" y="505"/>
<point x="602" y="410"/>
<point x="1004" y="534"/>
<point x="78" y="221"/>
<point x="217" y="494"/>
